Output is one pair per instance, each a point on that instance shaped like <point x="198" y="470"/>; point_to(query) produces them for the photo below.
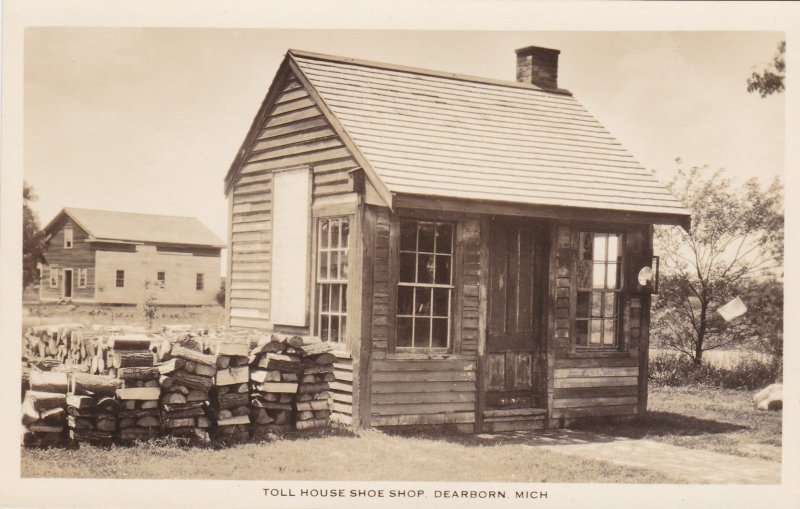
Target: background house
<point x="105" y="257"/>
<point x="473" y="246"/>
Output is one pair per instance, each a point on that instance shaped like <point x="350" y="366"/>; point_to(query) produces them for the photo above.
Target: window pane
<point x="613" y="247"/>
<point x="342" y="328"/>
<point x="335" y="292"/>
<point x="582" y="332"/>
<point x="444" y="238"/>
<point x="323" y="233"/>
<point x="405" y="300"/>
<point x="345" y="233"/>
<point x="425" y="268"/>
<point x="334" y="334"/>
<point x="408" y="236"/>
<point x="404" y="326"/>
<point x="610" y="307"/>
<point x="586" y="246"/>
<point x="343" y="265"/>
<point x="334" y="268"/>
<point x="599" y="251"/>
<point x="595" y="336"/>
<point x="610" y="333"/>
<point x="441" y="299"/>
<point x="598" y="275"/>
<point x="611" y="276"/>
<point x="597" y="304"/>
<point x="343" y="289"/>
<point x="426" y="234"/>
<point x="325" y="298"/>
<point x="334" y="233"/>
<point x="323" y="265"/>
<point x="323" y="328"/>
<point x="408" y="262"/>
<point x="422" y="332"/>
<point x="439" y="333"/>
<point x="443" y="269"/>
<point x="423" y="304"/>
<point x="582" y="308"/>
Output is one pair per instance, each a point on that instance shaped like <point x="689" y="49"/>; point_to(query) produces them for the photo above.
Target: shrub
<point x="749" y="373"/>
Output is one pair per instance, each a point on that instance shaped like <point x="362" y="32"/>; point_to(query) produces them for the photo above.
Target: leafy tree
<point x="149" y="304"/>
<point x="32" y="238"/>
<point x="771" y="79"/>
<point x="736" y="238"/>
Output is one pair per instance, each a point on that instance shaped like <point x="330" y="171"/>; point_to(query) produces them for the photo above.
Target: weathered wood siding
<point x="80" y="256"/>
<point x="417" y="389"/>
<point x="341" y="391"/>
<point x="586" y="384"/>
<point x="292" y="133"/>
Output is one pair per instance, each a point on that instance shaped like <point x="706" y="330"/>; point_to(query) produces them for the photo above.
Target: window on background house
<point x="425" y="289"/>
<point x="120" y="279"/>
<point x="53" y="277"/>
<point x="68" y="238"/>
<point x="161" y="278"/>
<point x="82" y="278"/>
<point x="333" y="237"/>
<point x="599" y="290"/>
<point x="199" y="283"/>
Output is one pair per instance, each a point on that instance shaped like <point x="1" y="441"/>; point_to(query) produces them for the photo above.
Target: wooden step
<point x="519" y="413"/>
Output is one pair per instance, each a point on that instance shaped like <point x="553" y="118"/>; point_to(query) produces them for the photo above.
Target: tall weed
<point x="675" y="371"/>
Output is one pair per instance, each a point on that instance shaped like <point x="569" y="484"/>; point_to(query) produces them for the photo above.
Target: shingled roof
<point x="107" y="225"/>
<point x="433" y="134"/>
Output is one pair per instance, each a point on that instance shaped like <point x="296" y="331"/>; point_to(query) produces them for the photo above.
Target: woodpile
<point x="313" y="400"/>
<point x="92" y="409"/>
<point x="134" y="366"/>
<point x="186" y="380"/>
<point x="230" y="397"/>
<point x="58" y="344"/>
<point x="276" y="370"/>
<point x="44" y="410"/>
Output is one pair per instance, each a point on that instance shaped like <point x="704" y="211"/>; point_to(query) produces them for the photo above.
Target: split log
<point x="183" y="413"/>
<point x="94" y="385"/>
<point x="196" y="395"/>
<point x="194" y="381"/>
<point x="130" y="342"/>
<point x="193" y="355"/>
<point x="232" y="400"/>
<point x="313" y="405"/>
<point x="223" y="361"/>
<point x="149" y="404"/>
<point x="204" y="370"/>
<point x="45" y="428"/>
<point x="232" y="349"/>
<point x="203" y="422"/>
<point x="179" y="423"/>
<point x="133" y="359"/>
<point x="174" y="398"/>
<point x="234" y="420"/>
<point x="259" y="375"/>
<point x="321" y="347"/>
<point x="148" y="422"/>
<point x="171" y="365"/>
<point x="139" y="373"/>
<point x="29" y="413"/>
<point x="79" y="422"/>
<point x="43" y="401"/>
<point x="311" y="423"/>
<point x="281" y="362"/>
<point x="54" y="416"/>
<point x="131" y="434"/>
<point x="241" y="410"/>
<point x="48" y="381"/>
<point x="233" y="376"/>
<point x="108" y="403"/>
<point x="106" y="424"/>
<point x="310" y="388"/>
<point x="280" y="387"/>
<point x="139" y="393"/>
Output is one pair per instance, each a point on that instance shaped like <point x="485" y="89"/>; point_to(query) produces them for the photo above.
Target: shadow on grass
<point x="659" y="424"/>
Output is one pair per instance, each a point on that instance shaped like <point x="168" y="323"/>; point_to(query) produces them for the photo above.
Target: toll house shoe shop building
<point x="479" y="250"/>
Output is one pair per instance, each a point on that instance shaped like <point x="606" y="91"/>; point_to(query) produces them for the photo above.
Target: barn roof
<point x="113" y="226"/>
<point x="434" y="134"/>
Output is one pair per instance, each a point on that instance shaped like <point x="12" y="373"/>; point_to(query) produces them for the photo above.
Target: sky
<point x="150" y="119"/>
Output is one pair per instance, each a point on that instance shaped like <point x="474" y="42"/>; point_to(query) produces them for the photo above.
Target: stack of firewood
<point x="313" y="398"/>
<point x="63" y="343"/>
<point x="44" y="409"/>
<point x="276" y="369"/>
<point x="230" y="396"/>
<point x="186" y="380"/>
<point x="133" y="364"/>
<point x="92" y="408"/>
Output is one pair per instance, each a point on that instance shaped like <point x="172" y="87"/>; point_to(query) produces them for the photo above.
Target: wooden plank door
<point x="516" y="287"/>
<point x="68" y="283"/>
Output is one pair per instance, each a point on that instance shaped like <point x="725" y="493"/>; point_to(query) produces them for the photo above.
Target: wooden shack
<point x="105" y="257"/>
<point x="474" y="247"/>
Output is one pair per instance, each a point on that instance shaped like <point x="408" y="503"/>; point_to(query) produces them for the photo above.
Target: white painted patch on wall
<point x="291" y="197"/>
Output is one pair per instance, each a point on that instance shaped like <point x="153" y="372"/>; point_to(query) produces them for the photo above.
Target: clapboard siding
<point x="57" y="258"/>
<point x="341" y="391"/>
<point x="294" y="132"/>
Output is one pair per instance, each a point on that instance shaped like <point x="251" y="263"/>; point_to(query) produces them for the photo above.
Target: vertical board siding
<point x="600" y="385"/>
<point x="293" y="133"/>
<point x="436" y="390"/>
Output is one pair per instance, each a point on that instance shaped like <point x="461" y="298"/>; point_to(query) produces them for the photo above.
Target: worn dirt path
<point x="693" y="465"/>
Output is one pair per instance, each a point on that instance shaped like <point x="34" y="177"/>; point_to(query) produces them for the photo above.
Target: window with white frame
<point x="67" y="238"/>
<point x="161" y="278"/>
<point x="425" y="286"/>
<point x="599" y="289"/>
<point x="53" y="277"/>
<point x="333" y="237"/>
<point x="82" y="276"/>
<point x="120" y="279"/>
<point x="199" y="283"/>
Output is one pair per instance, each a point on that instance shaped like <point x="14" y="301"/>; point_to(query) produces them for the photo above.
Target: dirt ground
<point x="45" y="314"/>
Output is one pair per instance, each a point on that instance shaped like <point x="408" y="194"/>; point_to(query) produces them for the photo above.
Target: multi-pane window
<point x="199" y="282"/>
<point x="599" y="288"/>
<point x="425" y="285"/>
<point x="68" y="238"/>
<point x="120" y="279"/>
<point x="161" y="278"/>
<point x="82" y="276"/>
<point x="53" y="277"/>
<point x="332" y="269"/>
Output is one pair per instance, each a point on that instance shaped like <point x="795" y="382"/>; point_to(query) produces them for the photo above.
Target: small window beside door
<point x="161" y="278"/>
<point x="67" y="238"/>
<point x="82" y="277"/>
<point x="599" y="291"/>
<point x="53" y="277"/>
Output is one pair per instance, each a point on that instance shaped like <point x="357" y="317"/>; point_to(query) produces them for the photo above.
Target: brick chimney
<point x="538" y="66"/>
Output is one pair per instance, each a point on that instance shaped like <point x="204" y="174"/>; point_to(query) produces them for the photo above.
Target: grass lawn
<point x="719" y="420"/>
<point x="46" y="314"/>
<point x="712" y="419"/>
